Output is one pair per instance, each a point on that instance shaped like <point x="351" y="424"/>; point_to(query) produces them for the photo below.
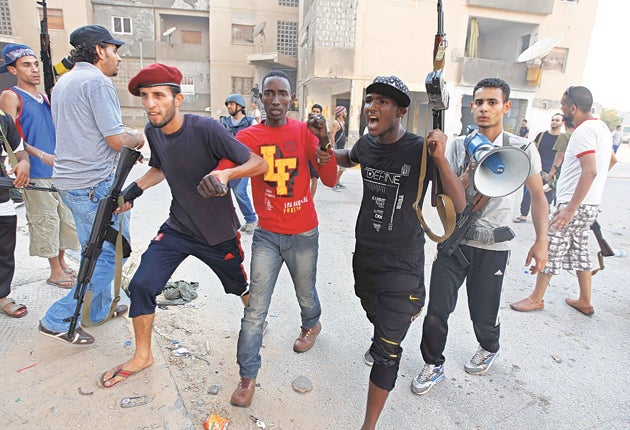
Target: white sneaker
<point x="481" y="362"/>
<point x="427" y="378"/>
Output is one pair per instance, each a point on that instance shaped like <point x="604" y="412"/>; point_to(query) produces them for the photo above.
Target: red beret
<point x="155" y="75"/>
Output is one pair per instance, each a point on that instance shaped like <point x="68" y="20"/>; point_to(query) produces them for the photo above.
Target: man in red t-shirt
<point x="287" y="222"/>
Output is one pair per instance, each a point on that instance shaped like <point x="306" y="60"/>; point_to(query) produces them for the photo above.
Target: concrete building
<point x="331" y="49"/>
<point x="20" y="23"/>
<point x="221" y="47"/>
<point x="344" y="44"/>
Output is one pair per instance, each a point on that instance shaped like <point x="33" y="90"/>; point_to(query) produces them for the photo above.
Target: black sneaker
<point x="81" y="337"/>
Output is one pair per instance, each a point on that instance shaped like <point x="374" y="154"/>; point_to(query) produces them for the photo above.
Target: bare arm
<point x="334" y="128"/>
<point x="9" y="103"/>
<point x="540" y="216"/>
<point x="153" y="177"/>
<point x="343" y="158"/>
<point x="255" y="165"/>
<point x="130" y="139"/>
<point x="557" y="162"/>
<point x="436" y="141"/>
<point x="21" y="170"/>
<point x="563" y="216"/>
<point x="613" y="161"/>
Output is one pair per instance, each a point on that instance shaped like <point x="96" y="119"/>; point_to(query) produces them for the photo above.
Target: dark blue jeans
<point x="239" y="188"/>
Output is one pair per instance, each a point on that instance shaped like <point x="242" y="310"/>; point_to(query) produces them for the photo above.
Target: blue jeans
<point x="239" y="188"/>
<point x="57" y="317"/>
<point x="269" y="251"/>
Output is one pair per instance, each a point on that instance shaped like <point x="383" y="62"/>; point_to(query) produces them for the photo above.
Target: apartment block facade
<point x="344" y="44"/>
<point x="331" y="49"/>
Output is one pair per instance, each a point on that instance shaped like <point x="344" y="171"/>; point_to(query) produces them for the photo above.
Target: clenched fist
<point x="210" y="186"/>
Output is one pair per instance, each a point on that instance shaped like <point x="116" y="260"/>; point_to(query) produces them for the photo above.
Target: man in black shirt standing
<point x="545" y="141"/>
<point x="388" y="261"/>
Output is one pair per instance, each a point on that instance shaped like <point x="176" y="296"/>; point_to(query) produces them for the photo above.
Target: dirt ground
<point x="557" y="368"/>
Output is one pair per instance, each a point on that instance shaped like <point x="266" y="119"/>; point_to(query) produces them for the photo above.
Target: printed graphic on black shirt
<point x="384" y="185"/>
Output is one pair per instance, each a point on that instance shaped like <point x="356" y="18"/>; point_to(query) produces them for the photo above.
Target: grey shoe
<point x="367" y="357"/>
<point x="481" y="362"/>
<point x="427" y="378"/>
<point x="249" y="227"/>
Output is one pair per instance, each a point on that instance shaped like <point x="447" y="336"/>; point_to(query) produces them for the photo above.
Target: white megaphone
<point x="501" y="170"/>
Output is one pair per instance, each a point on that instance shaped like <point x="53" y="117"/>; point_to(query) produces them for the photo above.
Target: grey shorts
<point x="568" y="247"/>
<point x="50" y="223"/>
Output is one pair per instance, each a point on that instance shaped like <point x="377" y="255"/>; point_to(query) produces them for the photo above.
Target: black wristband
<point x="131" y="192"/>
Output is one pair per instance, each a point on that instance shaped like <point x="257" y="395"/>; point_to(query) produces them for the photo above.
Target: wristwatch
<point x="325" y="145"/>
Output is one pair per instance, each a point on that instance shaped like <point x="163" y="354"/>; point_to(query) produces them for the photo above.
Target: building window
<point x="242" y="34"/>
<point x="556" y="60"/>
<point x="242" y="85"/>
<point x="191" y="36"/>
<point x="55" y="18"/>
<point x="294" y="3"/>
<point x="5" y="18"/>
<point x="121" y="24"/>
<point x="287" y="38"/>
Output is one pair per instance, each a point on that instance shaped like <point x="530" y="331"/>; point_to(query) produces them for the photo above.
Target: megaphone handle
<point x="479" y="201"/>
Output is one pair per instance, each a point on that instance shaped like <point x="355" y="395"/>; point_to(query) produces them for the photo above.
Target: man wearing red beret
<point x="185" y="150"/>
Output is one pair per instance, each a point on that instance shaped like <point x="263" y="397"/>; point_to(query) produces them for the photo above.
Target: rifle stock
<point x="604" y="247"/>
<point x="107" y="205"/>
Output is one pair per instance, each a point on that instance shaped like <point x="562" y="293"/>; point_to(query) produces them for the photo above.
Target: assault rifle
<point x="438" y="102"/>
<point x="466" y="219"/>
<point x="102" y="223"/>
<point x="6" y="182"/>
<point x="436" y="89"/>
<point x="44" y="40"/>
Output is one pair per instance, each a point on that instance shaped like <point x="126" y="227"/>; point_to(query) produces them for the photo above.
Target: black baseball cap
<point x="392" y="87"/>
<point x="90" y="35"/>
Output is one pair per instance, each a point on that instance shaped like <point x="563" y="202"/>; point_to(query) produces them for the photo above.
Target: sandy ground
<point x="557" y="369"/>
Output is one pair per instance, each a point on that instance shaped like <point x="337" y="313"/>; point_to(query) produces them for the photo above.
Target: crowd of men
<point x="205" y="161"/>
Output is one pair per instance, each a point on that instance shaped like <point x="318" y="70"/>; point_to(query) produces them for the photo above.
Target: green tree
<point x="611" y="117"/>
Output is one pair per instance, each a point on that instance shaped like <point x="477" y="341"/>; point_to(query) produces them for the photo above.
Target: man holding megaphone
<point x="492" y="165"/>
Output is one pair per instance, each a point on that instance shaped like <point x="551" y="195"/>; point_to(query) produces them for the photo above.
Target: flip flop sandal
<point x="119" y="372"/>
<point x="66" y="284"/>
<point x="12" y="309"/>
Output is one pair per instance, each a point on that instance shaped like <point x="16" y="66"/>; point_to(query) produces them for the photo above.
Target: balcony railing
<point x="538" y="7"/>
<point x="472" y="70"/>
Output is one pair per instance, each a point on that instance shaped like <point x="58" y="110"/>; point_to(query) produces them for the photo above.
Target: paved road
<point x="557" y="369"/>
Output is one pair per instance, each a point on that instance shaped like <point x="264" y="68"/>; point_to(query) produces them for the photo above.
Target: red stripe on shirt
<point x="590" y="151"/>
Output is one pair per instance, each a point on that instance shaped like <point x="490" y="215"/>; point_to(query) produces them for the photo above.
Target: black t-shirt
<point x="545" y="149"/>
<point x="12" y="136"/>
<point x="387" y="220"/>
<point x="185" y="157"/>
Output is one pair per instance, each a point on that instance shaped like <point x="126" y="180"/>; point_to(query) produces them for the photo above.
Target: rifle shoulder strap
<point x="445" y="208"/>
<point x="7" y="146"/>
